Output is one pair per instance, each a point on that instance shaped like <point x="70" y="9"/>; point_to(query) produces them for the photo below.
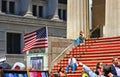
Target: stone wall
<point x="12" y="58"/>
<point x="56" y="46"/>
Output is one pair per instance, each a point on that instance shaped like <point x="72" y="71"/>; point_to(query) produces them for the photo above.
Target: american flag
<point x="36" y="39"/>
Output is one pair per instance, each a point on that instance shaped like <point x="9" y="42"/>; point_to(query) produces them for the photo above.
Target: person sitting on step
<point x="72" y="63"/>
<point x="80" y="39"/>
<point x="61" y="72"/>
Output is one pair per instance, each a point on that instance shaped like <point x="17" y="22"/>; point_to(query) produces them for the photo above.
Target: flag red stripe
<point x="29" y="42"/>
<point x="35" y="47"/>
<point x="39" y="47"/>
<point x="30" y="35"/>
<point x="36" y="39"/>
<point x="26" y="40"/>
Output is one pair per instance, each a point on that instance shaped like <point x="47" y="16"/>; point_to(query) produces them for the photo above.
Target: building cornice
<point x="13" y="19"/>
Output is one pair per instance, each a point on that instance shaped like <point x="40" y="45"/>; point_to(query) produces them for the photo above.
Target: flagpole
<point x="47" y="30"/>
<point x="46" y="49"/>
<point x="28" y="68"/>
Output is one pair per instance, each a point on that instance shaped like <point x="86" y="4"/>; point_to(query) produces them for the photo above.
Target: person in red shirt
<point x="61" y="72"/>
<point x="17" y="68"/>
<point x="99" y="68"/>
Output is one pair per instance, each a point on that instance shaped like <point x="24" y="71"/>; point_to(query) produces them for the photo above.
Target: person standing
<point x="115" y="68"/>
<point x="72" y="63"/>
<point x="99" y="68"/>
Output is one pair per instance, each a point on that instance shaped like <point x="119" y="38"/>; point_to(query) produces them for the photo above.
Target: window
<point x="4" y="6"/>
<point x="62" y="1"/>
<point x="11" y="7"/>
<point x="62" y="14"/>
<point x="40" y="11"/>
<point x="34" y="10"/>
<point x="13" y="43"/>
<point x="59" y="13"/>
<point x="37" y="10"/>
<point x="8" y="7"/>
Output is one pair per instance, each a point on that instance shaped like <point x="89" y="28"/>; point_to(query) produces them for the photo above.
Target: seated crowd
<point x="102" y="70"/>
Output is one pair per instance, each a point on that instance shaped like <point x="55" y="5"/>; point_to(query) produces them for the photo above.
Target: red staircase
<point x="94" y="50"/>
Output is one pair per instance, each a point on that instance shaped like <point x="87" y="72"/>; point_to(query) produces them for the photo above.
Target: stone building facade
<point x="18" y="17"/>
<point x="106" y="16"/>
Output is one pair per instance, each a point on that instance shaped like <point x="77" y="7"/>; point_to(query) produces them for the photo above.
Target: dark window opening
<point x="59" y="13"/>
<point x="62" y="1"/>
<point x="96" y="33"/>
<point x="40" y="11"/>
<point x="34" y="10"/>
<point x="13" y="43"/>
<point x="4" y="6"/>
<point x="11" y="7"/>
<point x="64" y="15"/>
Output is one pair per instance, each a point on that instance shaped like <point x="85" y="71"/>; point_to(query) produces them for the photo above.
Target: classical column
<point x="29" y="7"/>
<point x="0" y="6"/>
<point x="8" y="10"/>
<point x="53" y="9"/>
<point x="86" y="19"/>
<point x="77" y="18"/>
<point x="55" y="16"/>
<point x="112" y="18"/>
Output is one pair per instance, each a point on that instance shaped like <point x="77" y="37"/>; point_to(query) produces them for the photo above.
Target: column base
<point x="1" y="12"/>
<point x="56" y="18"/>
<point x="29" y="14"/>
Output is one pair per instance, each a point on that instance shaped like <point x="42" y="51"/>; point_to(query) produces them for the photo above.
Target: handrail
<point x="93" y="30"/>
<point x="63" y="53"/>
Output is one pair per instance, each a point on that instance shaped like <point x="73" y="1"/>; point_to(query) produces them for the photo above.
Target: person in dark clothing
<point x="115" y="68"/>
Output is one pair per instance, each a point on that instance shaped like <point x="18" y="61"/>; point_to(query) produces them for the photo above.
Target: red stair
<point x="94" y="50"/>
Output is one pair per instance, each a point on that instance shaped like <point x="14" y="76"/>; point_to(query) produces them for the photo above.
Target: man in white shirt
<point x="20" y="65"/>
<point x="72" y="63"/>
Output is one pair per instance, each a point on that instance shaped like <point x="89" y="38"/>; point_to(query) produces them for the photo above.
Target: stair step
<point x="98" y="49"/>
<point x="73" y="75"/>
<point x="88" y="62"/>
<point x="99" y="46"/>
<point x="94" y="51"/>
<point x="94" y="59"/>
<point x="103" y="39"/>
<point x="89" y="54"/>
